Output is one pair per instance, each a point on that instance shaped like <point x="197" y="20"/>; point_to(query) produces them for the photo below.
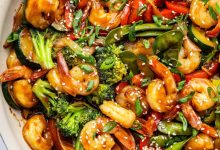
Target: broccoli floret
<point x="111" y="68"/>
<point x="70" y="57"/>
<point x="74" y="54"/>
<point x="43" y="42"/>
<point x="72" y="123"/>
<point x="103" y="92"/>
<point x="70" y="117"/>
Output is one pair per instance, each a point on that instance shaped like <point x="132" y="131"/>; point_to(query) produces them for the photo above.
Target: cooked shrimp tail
<point x="15" y="73"/>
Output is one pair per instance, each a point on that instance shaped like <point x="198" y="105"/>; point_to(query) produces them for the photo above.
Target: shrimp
<point x="77" y="81"/>
<point x="99" y="17"/>
<point x="54" y="80"/>
<point x="22" y="93"/>
<point x="36" y="134"/>
<point x="104" y="140"/>
<point x="201" y="141"/>
<point x="41" y="13"/>
<point x="161" y="95"/>
<point x="204" y="90"/>
<point x="117" y="113"/>
<point x="199" y="13"/>
<point x="16" y="72"/>
<point x="189" y="57"/>
<point x="195" y="121"/>
<point x="128" y="96"/>
<point x="12" y="60"/>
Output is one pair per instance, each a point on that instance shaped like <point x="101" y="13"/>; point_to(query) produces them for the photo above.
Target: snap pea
<point x="149" y="34"/>
<point x="167" y="40"/>
<point x="118" y="34"/>
<point x="177" y="146"/>
<point x="143" y="66"/>
<point x="173" y="128"/>
<point x="160" y="140"/>
<point x="152" y="27"/>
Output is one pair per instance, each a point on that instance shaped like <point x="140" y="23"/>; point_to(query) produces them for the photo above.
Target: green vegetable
<point x="103" y="92"/>
<point x="146" y="43"/>
<point x="167" y="40"/>
<point x="136" y="125"/>
<point x="86" y="68"/>
<point x="183" y="120"/>
<point x="43" y="43"/>
<point x="90" y="85"/>
<point x="217" y="121"/>
<point x="181" y="85"/>
<point x="130" y="59"/>
<point x="109" y="126"/>
<point x="205" y="1"/>
<point x="212" y="13"/>
<point x="187" y="98"/>
<point x="173" y="128"/>
<point x="74" y="55"/>
<point x="131" y="34"/>
<point x="157" y="20"/>
<point x="114" y="74"/>
<point x="76" y="21"/>
<point x="119" y="33"/>
<point x="160" y="140"/>
<point x="108" y="63"/>
<point x="142" y="9"/>
<point x="70" y="117"/>
<point x="25" y="51"/>
<point x="78" y="144"/>
<point x="177" y="146"/>
<point x="13" y="36"/>
<point x="167" y="46"/>
<point x="218" y="8"/>
<point x="145" y="82"/>
<point x="149" y="33"/>
<point x="210" y="117"/>
<point x="198" y="36"/>
<point x="138" y="107"/>
<point x="91" y="39"/>
<point x="175" y="139"/>
<point x="144" y="67"/>
<point x="8" y="95"/>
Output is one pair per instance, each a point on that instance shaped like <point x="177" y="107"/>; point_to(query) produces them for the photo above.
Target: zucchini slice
<point x="198" y="36"/>
<point x="7" y="93"/>
<point x="24" y="50"/>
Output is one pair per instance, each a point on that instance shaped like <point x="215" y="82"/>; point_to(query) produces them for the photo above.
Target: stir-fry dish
<point x="116" y="74"/>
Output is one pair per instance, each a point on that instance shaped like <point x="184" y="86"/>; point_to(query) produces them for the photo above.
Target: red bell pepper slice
<point x="177" y="7"/>
<point x="68" y="15"/>
<point x="148" y="15"/>
<point x="176" y="77"/>
<point x="137" y="80"/>
<point x="120" y="86"/>
<point x="135" y="16"/>
<point x="214" y="32"/>
<point x="144" y="143"/>
<point x="196" y="74"/>
<point x="169" y="14"/>
<point x="125" y="14"/>
<point x="150" y="126"/>
<point x="82" y="4"/>
<point x="211" y="67"/>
